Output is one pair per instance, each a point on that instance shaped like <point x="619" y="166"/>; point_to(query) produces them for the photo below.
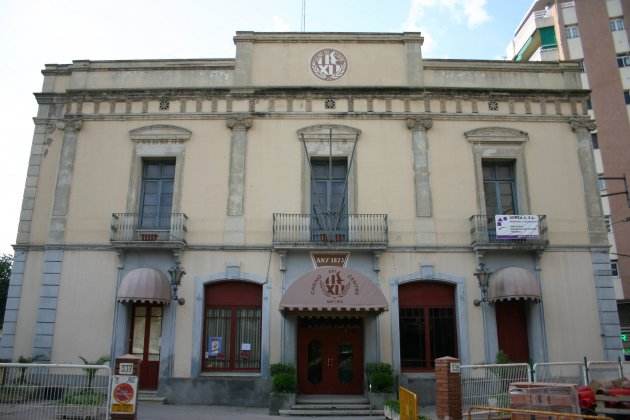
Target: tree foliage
<point x="6" y="261"/>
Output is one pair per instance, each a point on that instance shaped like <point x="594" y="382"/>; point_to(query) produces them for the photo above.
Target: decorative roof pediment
<point x="160" y="133"/>
<point x="325" y="131"/>
<point x="496" y="135"/>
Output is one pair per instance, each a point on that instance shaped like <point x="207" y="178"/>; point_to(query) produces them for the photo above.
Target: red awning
<point x="333" y="289"/>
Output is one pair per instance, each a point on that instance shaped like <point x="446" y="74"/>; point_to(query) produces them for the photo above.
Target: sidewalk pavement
<point x="155" y="411"/>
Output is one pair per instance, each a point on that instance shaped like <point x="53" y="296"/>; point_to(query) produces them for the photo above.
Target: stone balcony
<point x="484" y="236"/>
<point x="129" y="231"/>
<point x="329" y="230"/>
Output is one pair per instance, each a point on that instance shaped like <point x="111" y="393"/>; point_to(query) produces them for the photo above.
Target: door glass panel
<point x="442" y="333"/>
<point x="314" y="374"/>
<point x="155" y="333"/>
<point x="137" y="341"/>
<point x="344" y="370"/>
<point x="412" y="351"/>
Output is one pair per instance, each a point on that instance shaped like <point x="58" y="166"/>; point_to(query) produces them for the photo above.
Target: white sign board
<point x="517" y="226"/>
<point x="455" y="367"/>
<point x="124" y="394"/>
<point x="125" y="369"/>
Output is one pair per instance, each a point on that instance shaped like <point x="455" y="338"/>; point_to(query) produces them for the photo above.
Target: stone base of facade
<point x="423" y="384"/>
<point x="245" y="392"/>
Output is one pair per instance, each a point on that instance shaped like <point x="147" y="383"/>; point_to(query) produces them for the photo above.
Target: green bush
<point x="394" y="405"/>
<point x="380" y="376"/>
<point x="87" y="397"/>
<point x="277" y="368"/>
<point x="284" y="382"/>
<point x="502" y="358"/>
<point x="381" y="382"/>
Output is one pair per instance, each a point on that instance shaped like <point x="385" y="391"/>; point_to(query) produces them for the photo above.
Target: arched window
<point x="428" y="328"/>
<point x="232" y="326"/>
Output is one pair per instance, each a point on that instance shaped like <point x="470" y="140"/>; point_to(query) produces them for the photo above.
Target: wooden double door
<point x="146" y="331"/>
<point x="330" y="356"/>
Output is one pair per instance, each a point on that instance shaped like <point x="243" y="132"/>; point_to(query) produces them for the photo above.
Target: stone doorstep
<point x="150" y="396"/>
<point x="336" y="413"/>
<point x="331" y="399"/>
<point x="331" y="406"/>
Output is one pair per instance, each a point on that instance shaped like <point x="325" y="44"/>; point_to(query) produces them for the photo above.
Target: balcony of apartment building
<point x="138" y="230"/>
<point x="509" y="232"/>
<point x="329" y="230"/>
<point x="535" y="39"/>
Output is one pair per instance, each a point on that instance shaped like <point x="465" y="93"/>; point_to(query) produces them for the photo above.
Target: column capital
<point x="239" y="123"/>
<point x="419" y="123"/>
<point x="582" y="123"/>
<point x="71" y="124"/>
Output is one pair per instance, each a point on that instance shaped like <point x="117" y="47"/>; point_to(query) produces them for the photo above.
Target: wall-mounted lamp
<point x="176" y="272"/>
<point x="483" y="277"/>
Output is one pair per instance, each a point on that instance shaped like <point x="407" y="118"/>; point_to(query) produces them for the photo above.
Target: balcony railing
<point x="130" y="228"/>
<point x="484" y="235"/>
<point x="352" y="230"/>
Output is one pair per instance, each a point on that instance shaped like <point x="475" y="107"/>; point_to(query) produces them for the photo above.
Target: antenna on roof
<point x="303" y="25"/>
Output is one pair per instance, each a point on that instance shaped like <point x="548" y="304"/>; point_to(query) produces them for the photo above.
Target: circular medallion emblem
<point x="334" y="285"/>
<point x="329" y="64"/>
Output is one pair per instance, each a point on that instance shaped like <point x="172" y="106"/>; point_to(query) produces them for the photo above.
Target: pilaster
<point x="53" y="256"/>
<point x="595" y="217"/>
<point x="234" y="232"/>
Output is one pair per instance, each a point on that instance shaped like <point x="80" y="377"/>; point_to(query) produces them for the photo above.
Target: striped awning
<point x="336" y="289"/>
<point x="145" y="285"/>
<point x="513" y="283"/>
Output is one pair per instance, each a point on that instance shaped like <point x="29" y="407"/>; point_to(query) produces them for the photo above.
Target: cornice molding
<point x="160" y="133"/>
<point x="496" y="135"/>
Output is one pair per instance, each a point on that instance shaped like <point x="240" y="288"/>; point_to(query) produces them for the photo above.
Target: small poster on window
<point x="215" y="346"/>
<point x="246" y="346"/>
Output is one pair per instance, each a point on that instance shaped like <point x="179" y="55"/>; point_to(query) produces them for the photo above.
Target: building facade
<point x="325" y="200"/>
<point x="594" y="33"/>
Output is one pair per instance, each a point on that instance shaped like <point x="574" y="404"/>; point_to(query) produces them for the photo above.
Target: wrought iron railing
<point x="330" y="229"/>
<point x="483" y="231"/>
<point x="129" y="227"/>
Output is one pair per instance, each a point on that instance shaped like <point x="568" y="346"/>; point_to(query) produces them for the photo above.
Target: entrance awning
<point x="145" y="285"/>
<point x="513" y="283"/>
<point x="333" y="289"/>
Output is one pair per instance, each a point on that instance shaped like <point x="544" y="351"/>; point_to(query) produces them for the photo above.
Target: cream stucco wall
<point x="85" y="307"/>
<point x="369" y="64"/>
<point x="570" y="306"/>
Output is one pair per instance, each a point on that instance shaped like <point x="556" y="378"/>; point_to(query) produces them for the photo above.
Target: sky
<point x="37" y="32"/>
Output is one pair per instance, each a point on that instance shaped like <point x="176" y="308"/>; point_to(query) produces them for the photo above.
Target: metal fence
<point x="54" y="391"/>
<point x="603" y="371"/>
<point x="488" y="385"/>
<point x="561" y="372"/>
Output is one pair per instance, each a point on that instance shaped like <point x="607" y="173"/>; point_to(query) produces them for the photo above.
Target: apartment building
<point x="322" y="199"/>
<point x="593" y="32"/>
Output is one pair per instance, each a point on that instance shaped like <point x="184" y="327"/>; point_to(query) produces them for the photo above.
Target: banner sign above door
<point x="329" y="259"/>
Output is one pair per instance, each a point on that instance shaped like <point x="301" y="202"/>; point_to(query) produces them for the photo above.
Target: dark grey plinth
<point x="422" y="385"/>
<point x="244" y="392"/>
<point x="280" y="401"/>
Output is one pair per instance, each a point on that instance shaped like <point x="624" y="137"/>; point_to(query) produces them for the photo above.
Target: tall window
<point x="427" y="324"/>
<point x="329" y="203"/>
<point x="571" y="31"/>
<point x="157" y="193"/>
<point x="616" y="24"/>
<point x="626" y="96"/>
<point x="614" y="268"/>
<point x="499" y="187"/>
<point x="232" y="327"/>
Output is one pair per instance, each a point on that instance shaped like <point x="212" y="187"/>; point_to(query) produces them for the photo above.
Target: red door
<point x="146" y="331"/>
<point x="330" y="356"/>
<point x="512" y="330"/>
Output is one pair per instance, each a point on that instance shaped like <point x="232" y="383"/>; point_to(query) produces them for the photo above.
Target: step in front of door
<point x="331" y="405"/>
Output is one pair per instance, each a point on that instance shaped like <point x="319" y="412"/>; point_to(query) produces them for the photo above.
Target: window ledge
<point x="231" y="374"/>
